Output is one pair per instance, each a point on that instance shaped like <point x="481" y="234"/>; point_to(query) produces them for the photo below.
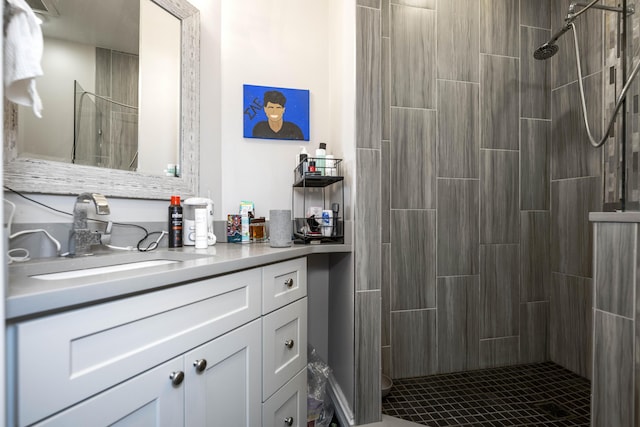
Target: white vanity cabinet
<point x="188" y="355"/>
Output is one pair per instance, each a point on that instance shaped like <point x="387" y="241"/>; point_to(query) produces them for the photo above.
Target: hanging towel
<point x="22" y="56"/>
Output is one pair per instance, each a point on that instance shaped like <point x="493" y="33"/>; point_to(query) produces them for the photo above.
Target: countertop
<point x="28" y="296"/>
<point x="628" y="216"/>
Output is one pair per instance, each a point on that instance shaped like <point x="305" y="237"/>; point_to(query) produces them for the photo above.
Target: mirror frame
<point x="49" y="177"/>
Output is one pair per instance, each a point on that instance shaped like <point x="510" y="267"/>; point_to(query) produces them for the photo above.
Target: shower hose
<point x="621" y="98"/>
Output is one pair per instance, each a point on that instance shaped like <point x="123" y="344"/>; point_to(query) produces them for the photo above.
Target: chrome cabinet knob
<point x="176" y="378"/>
<point x="288" y="344"/>
<point x="288" y="421"/>
<point x="200" y="364"/>
<point x="289" y="282"/>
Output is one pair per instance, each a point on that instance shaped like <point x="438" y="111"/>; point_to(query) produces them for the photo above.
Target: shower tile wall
<point x="484" y="190"/>
<point x="485" y="185"/>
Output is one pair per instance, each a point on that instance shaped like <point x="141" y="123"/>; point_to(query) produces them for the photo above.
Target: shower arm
<point x="572" y="15"/>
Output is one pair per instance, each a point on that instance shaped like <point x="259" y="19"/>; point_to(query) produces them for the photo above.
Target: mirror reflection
<point x="105" y="102"/>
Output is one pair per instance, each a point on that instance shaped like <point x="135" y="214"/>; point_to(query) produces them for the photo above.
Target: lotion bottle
<point x="321" y="152"/>
<point x="201" y="228"/>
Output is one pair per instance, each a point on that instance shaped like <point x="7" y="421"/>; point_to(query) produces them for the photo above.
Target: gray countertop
<point x="28" y="296"/>
<point x="627" y="216"/>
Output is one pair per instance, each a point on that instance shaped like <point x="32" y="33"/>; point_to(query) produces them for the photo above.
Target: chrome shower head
<point x="545" y="51"/>
<point x="550" y="48"/>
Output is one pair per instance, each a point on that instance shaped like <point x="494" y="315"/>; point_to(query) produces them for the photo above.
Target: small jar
<point x="258" y="229"/>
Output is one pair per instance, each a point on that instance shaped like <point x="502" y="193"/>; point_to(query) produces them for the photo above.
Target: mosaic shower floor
<point x="541" y="394"/>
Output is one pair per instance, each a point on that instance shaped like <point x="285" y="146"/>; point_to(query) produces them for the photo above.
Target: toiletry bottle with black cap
<point x="175" y="223"/>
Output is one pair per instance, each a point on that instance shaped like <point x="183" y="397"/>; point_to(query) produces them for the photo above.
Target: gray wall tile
<point x="571" y="322"/>
<point x="385" y="190"/>
<point x="498" y="352"/>
<point x="458" y="129"/>
<point x="386" y="295"/>
<point x="367" y="219"/>
<point x="572" y="236"/>
<point x="386" y="90"/>
<point x="386" y="360"/>
<point x="413" y="343"/>
<point x="534" y="332"/>
<point x="413" y="154"/>
<point x="367" y="337"/>
<point x="458" y="332"/>
<point x="369" y="3"/>
<point x="571" y="153"/>
<point x="499" y="195"/>
<point x="458" y="227"/>
<point x="413" y="51"/>
<point x="458" y="30"/>
<point x="535" y="267"/>
<point x="536" y="13"/>
<point x="385" y="9"/>
<point x="535" y="75"/>
<point x="499" y="24"/>
<point x="499" y="290"/>
<point x="589" y="27"/>
<point x="612" y="388"/>
<point x="368" y="83"/>
<point x="534" y="164"/>
<point x="615" y="265"/>
<point x="428" y="4"/>
<point x="499" y="109"/>
<point x="413" y="257"/>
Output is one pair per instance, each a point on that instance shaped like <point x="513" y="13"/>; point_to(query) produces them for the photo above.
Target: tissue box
<point x="234" y="228"/>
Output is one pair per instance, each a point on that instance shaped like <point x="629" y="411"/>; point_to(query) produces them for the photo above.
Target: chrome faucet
<point x="80" y="237"/>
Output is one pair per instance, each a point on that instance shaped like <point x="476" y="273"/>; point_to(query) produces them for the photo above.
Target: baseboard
<point x="340" y="404"/>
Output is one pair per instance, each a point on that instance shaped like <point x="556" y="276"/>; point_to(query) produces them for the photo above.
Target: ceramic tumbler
<point x="280" y="228"/>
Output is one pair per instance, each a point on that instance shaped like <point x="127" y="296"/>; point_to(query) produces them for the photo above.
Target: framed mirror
<point x="48" y="174"/>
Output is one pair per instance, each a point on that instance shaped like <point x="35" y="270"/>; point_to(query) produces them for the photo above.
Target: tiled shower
<point x="486" y="181"/>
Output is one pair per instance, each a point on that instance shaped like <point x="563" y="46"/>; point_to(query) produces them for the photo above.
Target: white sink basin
<point x="71" y="274"/>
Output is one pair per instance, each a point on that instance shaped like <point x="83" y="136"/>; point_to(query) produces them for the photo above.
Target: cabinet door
<point x="288" y="406"/>
<point x="225" y="392"/>
<point x="149" y="399"/>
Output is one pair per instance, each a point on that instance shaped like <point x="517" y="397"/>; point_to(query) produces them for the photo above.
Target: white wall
<point x="62" y="61"/>
<point x="280" y="43"/>
<point x="286" y="43"/>
<point x="158" y="128"/>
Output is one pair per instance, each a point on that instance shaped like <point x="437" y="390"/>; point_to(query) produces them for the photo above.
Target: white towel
<point x="22" y="56"/>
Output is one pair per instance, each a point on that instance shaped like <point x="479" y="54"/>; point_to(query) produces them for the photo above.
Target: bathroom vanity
<point x="214" y="337"/>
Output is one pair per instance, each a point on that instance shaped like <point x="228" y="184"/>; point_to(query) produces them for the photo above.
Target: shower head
<point x="545" y="51"/>
<point x="550" y="48"/>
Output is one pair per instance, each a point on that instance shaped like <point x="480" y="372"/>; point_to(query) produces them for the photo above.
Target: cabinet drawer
<point x="288" y="406"/>
<point x="284" y="343"/>
<point x="88" y="350"/>
<point x="283" y="283"/>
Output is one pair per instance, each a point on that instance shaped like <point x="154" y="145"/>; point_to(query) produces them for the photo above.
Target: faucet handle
<point x="105" y="238"/>
<point x="102" y="206"/>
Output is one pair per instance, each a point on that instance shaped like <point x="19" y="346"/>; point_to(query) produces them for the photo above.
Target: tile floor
<point x="541" y="394"/>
